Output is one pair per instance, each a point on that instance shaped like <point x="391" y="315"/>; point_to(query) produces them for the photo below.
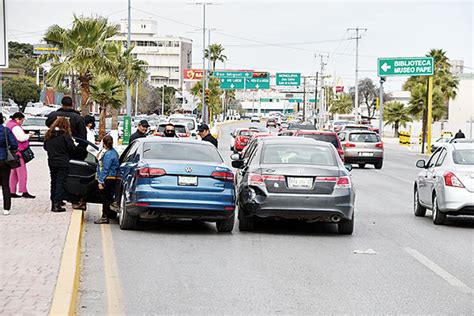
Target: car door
<point x="128" y="165"/>
<point x="426" y="180"/>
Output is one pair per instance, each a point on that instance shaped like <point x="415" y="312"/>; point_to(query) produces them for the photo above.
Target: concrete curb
<point x="218" y="134"/>
<point x="67" y="285"/>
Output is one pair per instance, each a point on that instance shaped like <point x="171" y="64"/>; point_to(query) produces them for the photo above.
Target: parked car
<point x="294" y="178"/>
<point x="324" y="136"/>
<point x="255" y="119"/>
<point x="159" y="182"/>
<point x="241" y="139"/>
<point x="37" y="125"/>
<point x="446" y="183"/>
<point x="362" y="147"/>
<point x="272" y="121"/>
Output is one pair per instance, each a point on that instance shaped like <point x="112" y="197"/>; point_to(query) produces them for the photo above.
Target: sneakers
<point x="26" y="195"/>
<point x="102" y="220"/>
<point x="56" y="208"/>
<point x="6" y="212"/>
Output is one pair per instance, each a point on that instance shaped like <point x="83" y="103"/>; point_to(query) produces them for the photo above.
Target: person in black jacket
<point x="141" y="131"/>
<point x="60" y="148"/>
<point x="460" y="134"/>
<point x="6" y="135"/>
<point x="205" y="133"/>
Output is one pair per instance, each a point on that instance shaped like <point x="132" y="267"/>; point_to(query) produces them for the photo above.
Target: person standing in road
<point x="19" y="176"/>
<point x="107" y="170"/>
<point x="6" y="136"/>
<point x="89" y="120"/>
<point x="141" y="131"/>
<point x="78" y="127"/>
<point x="205" y="134"/>
<point x="60" y="148"/>
<point x="460" y="134"/>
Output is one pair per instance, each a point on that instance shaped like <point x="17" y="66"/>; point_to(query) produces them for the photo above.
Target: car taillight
<point x="150" y="172"/>
<point x="343" y="183"/>
<point x="451" y="180"/>
<point x="226" y="176"/>
<point x="349" y="145"/>
<point x="379" y="145"/>
<point x="259" y="180"/>
<point x="326" y="179"/>
<point x="341" y="153"/>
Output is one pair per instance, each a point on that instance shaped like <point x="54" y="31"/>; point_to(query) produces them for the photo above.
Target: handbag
<point x="27" y="154"/>
<point x="12" y="160"/>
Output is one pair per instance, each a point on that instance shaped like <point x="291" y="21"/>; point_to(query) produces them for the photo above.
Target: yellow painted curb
<point x="67" y="285"/>
<point x="227" y="123"/>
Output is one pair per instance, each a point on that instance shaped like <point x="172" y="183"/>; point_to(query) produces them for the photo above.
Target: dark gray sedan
<point x="294" y="178"/>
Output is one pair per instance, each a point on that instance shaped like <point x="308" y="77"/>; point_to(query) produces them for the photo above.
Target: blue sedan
<point x="175" y="178"/>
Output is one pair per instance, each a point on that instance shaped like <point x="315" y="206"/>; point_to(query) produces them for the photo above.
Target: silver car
<point x="446" y="184"/>
<point x="362" y="147"/>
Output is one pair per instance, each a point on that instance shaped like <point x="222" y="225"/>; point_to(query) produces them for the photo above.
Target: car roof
<point x="459" y="146"/>
<point x="360" y="131"/>
<point x="156" y="139"/>
<point x="309" y="132"/>
<point x="286" y="140"/>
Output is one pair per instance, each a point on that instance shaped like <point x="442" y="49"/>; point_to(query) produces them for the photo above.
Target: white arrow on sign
<point x="232" y="86"/>
<point x="257" y="86"/>
<point x="385" y="67"/>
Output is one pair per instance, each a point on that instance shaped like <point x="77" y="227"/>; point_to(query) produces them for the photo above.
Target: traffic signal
<point x="206" y="96"/>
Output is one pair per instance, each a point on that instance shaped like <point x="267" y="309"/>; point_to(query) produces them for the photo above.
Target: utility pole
<point x="136" y="100"/>
<point x="129" y="96"/>
<point x="304" y="98"/>
<point x="382" y="80"/>
<point x="357" y="38"/>
<point x="316" y="95"/>
<point x="322" y="110"/>
<point x="163" y="100"/>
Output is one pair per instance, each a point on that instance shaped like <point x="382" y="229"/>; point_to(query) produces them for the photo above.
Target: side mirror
<point x="238" y="164"/>
<point x="348" y="166"/>
<point x="421" y="164"/>
<point x="235" y="157"/>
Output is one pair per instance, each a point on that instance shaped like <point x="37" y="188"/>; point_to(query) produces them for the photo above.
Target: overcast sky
<point x="281" y="35"/>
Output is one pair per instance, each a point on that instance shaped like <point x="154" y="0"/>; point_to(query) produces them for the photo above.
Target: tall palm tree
<point x="341" y="105"/>
<point x="82" y="49"/>
<point x="215" y="53"/>
<point x="107" y="91"/>
<point x="395" y="114"/>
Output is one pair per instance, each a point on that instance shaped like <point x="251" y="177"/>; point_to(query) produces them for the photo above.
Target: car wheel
<point x="225" y="225"/>
<point x="346" y="227"/>
<point x="362" y="165"/>
<point x="379" y="164"/>
<point x="126" y="221"/>
<point x="419" y="209"/>
<point x="439" y="218"/>
<point x="246" y="224"/>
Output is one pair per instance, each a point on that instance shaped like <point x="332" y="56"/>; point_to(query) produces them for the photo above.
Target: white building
<point x="461" y="109"/>
<point x="167" y="56"/>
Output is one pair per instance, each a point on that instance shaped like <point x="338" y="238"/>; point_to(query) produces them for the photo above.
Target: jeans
<point x="5" y="179"/>
<point x="107" y="196"/>
<point x="18" y="178"/>
<point x="58" y="183"/>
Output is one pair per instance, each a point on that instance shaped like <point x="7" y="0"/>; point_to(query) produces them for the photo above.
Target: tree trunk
<point x="102" y="115"/>
<point x="213" y="65"/>
<point x="115" y="113"/>
<point x="85" y="80"/>
<point x="396" y="129"/>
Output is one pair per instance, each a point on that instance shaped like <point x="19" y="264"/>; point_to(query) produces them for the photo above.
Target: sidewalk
<point x="31" y="245"/>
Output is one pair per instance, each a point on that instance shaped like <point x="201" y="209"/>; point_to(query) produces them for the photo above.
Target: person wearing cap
<point x="89" y="120"/>
<point x="142" y="130"/>
<point x="205" y="134"/>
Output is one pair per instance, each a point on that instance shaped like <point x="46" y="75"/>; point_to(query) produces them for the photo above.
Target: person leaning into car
<point x="107" y="170"/>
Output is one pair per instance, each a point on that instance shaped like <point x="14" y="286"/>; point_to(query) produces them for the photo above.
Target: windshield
<point x="298" y="155"/>
<point x="464" y="157"/>
<point x="174" y="151"/>
<point x="356" y="127"/>
<point x="185" y="121"/>
<point x="364" y="138"/>
<point x="245" y="133"/>
<point x="34" y="122"/>
<point x="178" y="128"/>
<point x="325" y="138"/>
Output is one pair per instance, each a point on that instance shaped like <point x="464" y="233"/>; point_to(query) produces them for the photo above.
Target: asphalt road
<point x="182" y="267"/>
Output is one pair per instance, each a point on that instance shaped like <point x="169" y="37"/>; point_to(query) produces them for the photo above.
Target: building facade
<point x="167" y="56"/>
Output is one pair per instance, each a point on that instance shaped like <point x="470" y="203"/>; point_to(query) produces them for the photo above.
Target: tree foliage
<point x="21" y="90"/>
<point x="20" y="55"/>
<point x="215" y="93"/>
<point x="215" y="53"/>
<point x="342" y="104"/>
<point x="396" y="114"/>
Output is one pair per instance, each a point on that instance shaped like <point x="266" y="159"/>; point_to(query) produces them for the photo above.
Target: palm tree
<point x="395" y="114"/>
<point x="341" y="105"/>
<point x="106" y="91"/>
<point x="82" y="49"/>
<point x="214" y="54"/>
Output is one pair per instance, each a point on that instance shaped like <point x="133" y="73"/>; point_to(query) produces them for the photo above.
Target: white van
<point x="188" y="121"/>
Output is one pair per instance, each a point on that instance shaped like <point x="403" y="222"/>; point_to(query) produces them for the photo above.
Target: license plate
<point x="366" y="154"/>
<point x="187" y="181"/>
<point x="300" y="183"/>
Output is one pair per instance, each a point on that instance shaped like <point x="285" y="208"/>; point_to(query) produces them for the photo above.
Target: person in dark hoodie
<point x="60" y="148"/>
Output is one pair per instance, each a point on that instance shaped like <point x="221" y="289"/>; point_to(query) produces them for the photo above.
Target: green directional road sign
<point x="232" y="83"/>
<point x="288" y="79"/>
<point x="232" y="74"/>
<point x="257" y="83"/>
<point x="311" y="101"/>
<point x="127" y="130"/>
<point x="295" y="100"/>
<point x="405" y="66"/>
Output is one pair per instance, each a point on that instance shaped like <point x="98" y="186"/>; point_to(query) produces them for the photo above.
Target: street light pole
<point x="357" y="38"/>
<point x="163" y="100"/>
<point x="129" y="96"/>
<point x="382" y="80"/>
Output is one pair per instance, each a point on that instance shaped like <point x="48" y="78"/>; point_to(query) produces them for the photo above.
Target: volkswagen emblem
<point x="188" y="169"/>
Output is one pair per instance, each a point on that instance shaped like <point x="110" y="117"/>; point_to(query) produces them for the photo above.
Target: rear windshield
<point x="356" y="127"/>
<point x="364" y="138"/>
<point x="187" y="122"/>
<point x="298" y="155"/>
<point x="177" y="151"/>
<point x="325" y="138"/>
<point x="178" y="129"/>
<point x="245" y="133"/>
<point x="464" y="157"/>
<point x="303" y="127"/>
<point x="34" y="122"/>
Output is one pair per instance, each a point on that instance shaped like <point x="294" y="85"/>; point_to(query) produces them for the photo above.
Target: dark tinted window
<point x="178" y="128"/>
<point x="181" y="151"/>
<point x="298" y="155"/>
<point x="322" y="137"/>
<point x="364" y="138"/>
<point x="464" y="157"/>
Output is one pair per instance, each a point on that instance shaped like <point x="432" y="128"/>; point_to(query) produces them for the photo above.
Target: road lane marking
<point x="112" y="278"/>
<point x="448" y="277"/>
<point x="393" y="176"/>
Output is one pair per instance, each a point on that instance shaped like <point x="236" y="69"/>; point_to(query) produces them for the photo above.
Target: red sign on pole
<point x="193" y="74"/>
<point x="339" y="89"/>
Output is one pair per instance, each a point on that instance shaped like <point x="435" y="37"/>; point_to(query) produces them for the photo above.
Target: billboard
<point x="3" y="36"/>
<point x="193" y="74"/>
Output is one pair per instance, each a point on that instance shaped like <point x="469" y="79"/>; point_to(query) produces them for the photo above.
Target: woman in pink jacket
<point x="19" y="176"/>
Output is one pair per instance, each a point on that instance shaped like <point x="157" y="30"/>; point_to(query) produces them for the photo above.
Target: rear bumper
<point x="297" y="206"/>
<point x="369" y="160"/>
<point x="456" y="201"/>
